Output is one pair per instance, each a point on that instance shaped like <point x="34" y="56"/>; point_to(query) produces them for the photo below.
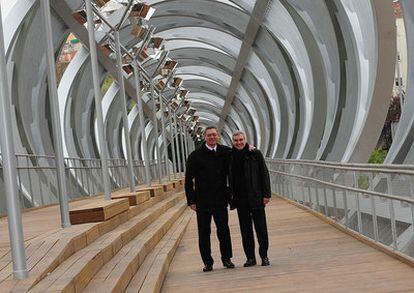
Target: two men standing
<point x="209" y="169"/>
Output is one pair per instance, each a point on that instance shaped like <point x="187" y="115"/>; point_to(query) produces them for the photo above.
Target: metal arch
<point x="66" y="101"/>
<point x="277" y="63"/>
<point x="251" y="31"/>
<point x="246" y="5"/>
<point x="208" y="65"/>
<point x="216" y="12"/>
<point x="200" y="65"/>
<point x="315" y="22"/>
<point x="32" y="119"/>
<point x="205" y="108"/>
<point x="257" y="96"/>
<point x="244" y="120"/>
<point x="279" y="23"/>
<point x="220" y="39"/>
<point x="348" y="100"/>
<point x="133" y="119"/>
<point x="112" y="116"/>
<point x="213" y="90"/>
<point x="401" y="151"/>
<point x="318" y="78"/>
<point x="382" y="74"/>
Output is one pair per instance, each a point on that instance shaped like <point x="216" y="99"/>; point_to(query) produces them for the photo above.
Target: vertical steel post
<point x="177" y="144"/>
<point x="53" y="99"/>
<point x="374" y="211"/>
<point x="164" y="137"/>
<point x="172" y="144"/>
<point x="121" y="83"/>
<point x="182" y="145"/>
<point x="142" y="125"/>
<point x="155" y="122"/>
<point x="392" y="214"/>
<point x="9" y="171"/>
<point x="98" y="103"/>
<point x="185" y="141"/>
<point x="358" y="205"/>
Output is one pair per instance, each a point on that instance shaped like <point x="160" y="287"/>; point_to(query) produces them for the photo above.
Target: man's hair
<point x="210" y="127"/>
<point x="240" y="133"/>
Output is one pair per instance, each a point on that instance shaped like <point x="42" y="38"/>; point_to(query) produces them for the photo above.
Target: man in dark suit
<point x="250" y="190"/>
<point x="208" y="195"/>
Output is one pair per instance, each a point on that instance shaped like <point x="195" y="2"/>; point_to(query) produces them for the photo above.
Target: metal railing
<point x="37" y="178"/>
<point x="376" y="201"/>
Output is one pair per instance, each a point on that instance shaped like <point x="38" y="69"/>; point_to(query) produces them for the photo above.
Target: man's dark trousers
<point x="220" y="217"/>
<point x="246" y="215"/>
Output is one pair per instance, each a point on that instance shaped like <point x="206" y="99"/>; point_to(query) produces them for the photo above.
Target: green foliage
<point x="363" y="182"/>
<point x="106" y="84"/>
<point x="378" y="156"/>
<point x="131" y="105"/>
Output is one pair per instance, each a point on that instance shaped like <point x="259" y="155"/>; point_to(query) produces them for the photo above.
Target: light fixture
<point x="128" y="69"/>
<point x="176" y="82"/>
<point x="80" y="16"/>
<point x="160" y="84"/>
<point x="174" y="104"/>
<point x="101" y="3"/>
<point x="108" y="50"/>
<point x="139" y="31"/>
<point x="191" y="111"/>
<point x="109" y="6"/>
<point x="168" y="67"/>
<point x="183" y="93"/>
<point x="141" y="10"/>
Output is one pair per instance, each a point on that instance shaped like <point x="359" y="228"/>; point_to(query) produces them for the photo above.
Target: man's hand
<point x="266" y="200"/>
<point x="193" y="207"/>
<point x="251" y="147"/>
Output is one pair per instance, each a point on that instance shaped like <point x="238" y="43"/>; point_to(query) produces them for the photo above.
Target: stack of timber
<point x="125" y="244"/>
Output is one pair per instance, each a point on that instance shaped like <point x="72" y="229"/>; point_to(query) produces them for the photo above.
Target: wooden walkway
<point x="306" y="254"/>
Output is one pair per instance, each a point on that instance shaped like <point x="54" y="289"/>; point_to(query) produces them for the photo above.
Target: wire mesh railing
<point x="376" y="201"/>
<point x="37" y="178"/>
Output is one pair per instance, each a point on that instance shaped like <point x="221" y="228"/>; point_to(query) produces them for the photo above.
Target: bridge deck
<point x="306" y="254"/>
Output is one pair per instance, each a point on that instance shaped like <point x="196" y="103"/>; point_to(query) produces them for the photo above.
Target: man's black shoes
<point x="250" y="262"/>
<point x="228" y="264"/>
<point x="207" y="268"/>
<point x="265" y="262"/>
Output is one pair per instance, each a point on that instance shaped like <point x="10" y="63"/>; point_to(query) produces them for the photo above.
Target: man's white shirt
<point x="210" y="148"/>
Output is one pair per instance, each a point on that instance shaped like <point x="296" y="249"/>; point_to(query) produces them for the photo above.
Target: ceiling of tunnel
<point x="301" y="78"/>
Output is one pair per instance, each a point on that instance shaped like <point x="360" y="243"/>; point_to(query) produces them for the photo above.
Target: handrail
<point x="375" y="193"/>
<point x="347" y="166"/>
<point x="401" y="169"/>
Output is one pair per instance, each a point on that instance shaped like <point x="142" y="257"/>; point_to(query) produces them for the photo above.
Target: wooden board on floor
<point x="98" y="211"/>
<point x="178" y="184"/>
<point x="166" y="186"/>
<point x="134" y="198"/>
<point x="154" y="190"/>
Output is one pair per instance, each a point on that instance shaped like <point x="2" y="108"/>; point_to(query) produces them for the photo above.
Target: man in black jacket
<point x="207" y="194"/>
<point x="250" y="189"/>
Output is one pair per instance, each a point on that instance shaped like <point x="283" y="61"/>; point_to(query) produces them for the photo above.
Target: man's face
<point x="239" y="141"/>
<point x="211" y="136"/>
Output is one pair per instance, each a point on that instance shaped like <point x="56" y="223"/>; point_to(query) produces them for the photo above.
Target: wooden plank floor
<point x="306" y="255"/>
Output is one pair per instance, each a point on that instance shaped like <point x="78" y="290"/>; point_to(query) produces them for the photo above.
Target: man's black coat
<point x="256" y="180"/>
<point x="206" y="178"/>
